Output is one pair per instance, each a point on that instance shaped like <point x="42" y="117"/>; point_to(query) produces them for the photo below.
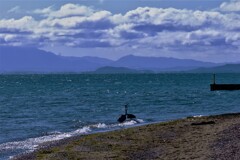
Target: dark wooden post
<point x="214" y="81"/>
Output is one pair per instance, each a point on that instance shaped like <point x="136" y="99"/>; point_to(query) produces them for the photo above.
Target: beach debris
<point x="203" y="123"/>
<point x="126" y="116"/>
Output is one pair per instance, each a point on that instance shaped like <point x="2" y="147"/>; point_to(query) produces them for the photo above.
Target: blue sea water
<point x="41" y="108"/>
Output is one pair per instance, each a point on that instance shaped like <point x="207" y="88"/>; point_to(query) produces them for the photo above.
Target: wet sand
<point x="212" y="137"/>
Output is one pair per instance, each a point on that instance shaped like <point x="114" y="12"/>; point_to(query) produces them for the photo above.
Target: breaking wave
<point x="32" y="144"/>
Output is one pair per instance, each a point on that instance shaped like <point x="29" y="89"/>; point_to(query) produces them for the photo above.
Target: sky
<point x="206" y="30"/>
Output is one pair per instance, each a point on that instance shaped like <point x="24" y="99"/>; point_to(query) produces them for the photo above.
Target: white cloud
<point x="81" y="26"/>
<point x="66" y="10"/>
<point x="15" y="9"/>
<point x="67" y="18"/>
<point x="44" y="11"/>
<point x="232" y="6"/>
<point x="26" y="23"/>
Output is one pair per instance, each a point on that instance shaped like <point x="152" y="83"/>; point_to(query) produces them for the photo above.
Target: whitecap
<point x="128" y="123"/>
<point x="140" y="120"/>
<point x="198" y="116"/>
<point x="99" y="125"/>
<point x="81" y="131"/>
<point x="31" y="144"/>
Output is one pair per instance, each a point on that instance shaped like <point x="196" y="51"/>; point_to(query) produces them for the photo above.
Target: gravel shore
<point x="210" y="137"/>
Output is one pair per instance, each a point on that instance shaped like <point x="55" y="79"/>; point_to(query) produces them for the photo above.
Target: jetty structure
<point x="229" y="87"/>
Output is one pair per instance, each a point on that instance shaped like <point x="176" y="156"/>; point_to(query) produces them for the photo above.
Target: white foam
<point x="53" y="132"/>
<point x="128" y="123"/>
<point x="198" y="116"/>
<point x="32" y="143"/>
<point x="83" y="130"/>
<point x="140" y="120"/>
<point x="99" y="125"/>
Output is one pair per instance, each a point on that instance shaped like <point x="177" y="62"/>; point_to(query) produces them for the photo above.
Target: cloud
<point x="94" y="21"/>
<point x="66" y="10"/>
<point x="88" y="43"/>
<point x="74" y="25"/>
<point x="24" y="24"/>
<point x="45" y="11"/>
<point x="15" y="9"/>
<point x="232" y="6"/>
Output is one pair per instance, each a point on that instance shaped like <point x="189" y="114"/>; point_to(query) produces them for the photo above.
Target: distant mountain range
<point x="18" y="59"/>
<point x="159" y="64"/>
<point x="32" y="60"/>
<point x="227" y="68"/>
<point x="119" y="70"/>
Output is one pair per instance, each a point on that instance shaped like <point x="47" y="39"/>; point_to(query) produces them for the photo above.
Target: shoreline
<point x="205" y="137"/>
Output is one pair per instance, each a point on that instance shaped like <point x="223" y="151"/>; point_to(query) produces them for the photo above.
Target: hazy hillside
<point x="228" y="68"/>
<point x="160" y="63"/>
<point x="19" y="59"/>
<point x="118" y="70"/>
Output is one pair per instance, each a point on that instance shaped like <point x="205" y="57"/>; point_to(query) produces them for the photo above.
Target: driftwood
<point x="203" y="123"/>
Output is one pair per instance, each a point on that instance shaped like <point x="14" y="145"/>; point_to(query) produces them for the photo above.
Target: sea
<point x="39" y="108"/>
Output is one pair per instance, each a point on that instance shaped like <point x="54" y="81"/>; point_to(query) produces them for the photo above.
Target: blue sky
<point x="205" y="30"/>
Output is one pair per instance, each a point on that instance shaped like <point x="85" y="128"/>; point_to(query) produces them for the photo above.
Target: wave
<point x="31" y="144"/>
<point x="198" y="116"/>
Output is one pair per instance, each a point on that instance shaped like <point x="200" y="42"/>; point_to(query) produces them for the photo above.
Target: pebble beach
<point x="207" y="137"/>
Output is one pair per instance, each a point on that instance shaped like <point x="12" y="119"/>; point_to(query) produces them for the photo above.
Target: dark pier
<point x="229" y="87"/>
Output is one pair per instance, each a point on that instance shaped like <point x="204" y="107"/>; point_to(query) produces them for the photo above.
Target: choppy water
<point x="40" y="108"/>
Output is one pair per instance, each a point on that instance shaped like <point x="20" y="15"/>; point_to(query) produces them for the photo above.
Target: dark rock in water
<point x="131" y="116"/>
<point x="122" y="118"/>
<point x="203" y="123"/>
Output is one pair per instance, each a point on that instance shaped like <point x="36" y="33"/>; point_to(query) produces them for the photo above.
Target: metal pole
<point x="214" y="82"/>
<point x="126" y="107"/>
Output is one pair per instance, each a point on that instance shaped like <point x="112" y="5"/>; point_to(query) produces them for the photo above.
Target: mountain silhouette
<point x="227" y="68"/>
<point x="160" y="63"/>
<point x="26" y="59"/>
<point x="20" y="59"/>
